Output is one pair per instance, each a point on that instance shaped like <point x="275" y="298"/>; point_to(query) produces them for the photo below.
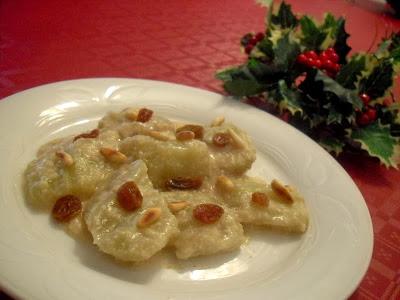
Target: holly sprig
<point x="301" y="70"/>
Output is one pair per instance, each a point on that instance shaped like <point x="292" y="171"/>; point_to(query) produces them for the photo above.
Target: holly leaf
<point x="288" y="99"/>
<point x="312" y="35"/>
<point x="228" y="74"/>
<point x="243" y="87"/>
<point x="285" y="53"/>
<point x="344" y="95"/>
<point x="380" y="79"/>
<point x="240" y="82"/>
<point x="378" y="142"/>
<point x="341" y="47"/>
<point x="266" y="47"/>
<point x="395" y="54"/>
<point x="383" y="48"/>
<point x="285" y="17"/>
<point x="329" y="22"/>
<point x="334" y="116"/>
<point x="266" y="73"/>
<point x="332" y="145"/>
<point x="350" y="72"/>
<point x="389" y="48"/>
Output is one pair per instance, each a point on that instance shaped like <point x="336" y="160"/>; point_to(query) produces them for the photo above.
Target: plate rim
<point x="12" y="290"/>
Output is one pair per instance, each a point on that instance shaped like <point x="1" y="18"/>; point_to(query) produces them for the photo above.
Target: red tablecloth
<point x="186" y="42"/>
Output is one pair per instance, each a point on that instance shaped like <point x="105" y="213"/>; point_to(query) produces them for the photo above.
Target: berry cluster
<point x="252" y="40"/>
<point x="368" y="114"/>
<point x="327" y="60"/>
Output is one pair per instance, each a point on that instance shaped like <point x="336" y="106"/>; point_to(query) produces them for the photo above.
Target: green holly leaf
<point x="266" y="73"/>
<point x="395" y="55"/>
<point x="285" y="53"/>
<point x="329" y="22"/>
<point x="389" y="48"/>
<point x="266" y="47"/>
<point x="395" y="130"/>
<point x="227" y="74"/>
<point x="341" y="46"/>
<point x="243" y="87"/>
<point x="334" y="116"/>
<point x="378" y="142"/>
<point x="349" y="73"/>
<point x="285" y="17"/>
<point x="288" y="99"/>
<point x="312" y="35"/>
<point x="383" y="48"/>
<point x="380" y="79"/>
<point x="240" y="82"/>
<point x="343" y="95"/>
<point x="332" y="145"/>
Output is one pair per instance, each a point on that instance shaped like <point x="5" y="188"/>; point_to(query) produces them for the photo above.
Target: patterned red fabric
<point x="186" y="42"/>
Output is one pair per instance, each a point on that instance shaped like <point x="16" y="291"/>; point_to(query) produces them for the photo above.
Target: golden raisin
<point x="91" y="135"/>
<point x="129" y="196"/>
<point x="144" y="115"/>
<point x="260" y="199"/>
<point x="183" y="183"/>
<point x="222" y="139"/>
<point x="208" y="213"/>
<point x="66" y="208"/>
<point x="196" y="129"/>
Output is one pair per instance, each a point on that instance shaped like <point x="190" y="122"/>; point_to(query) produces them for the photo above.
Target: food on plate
<point x="274" y="205"/>
<point x="167" y="160"/>
<point x="70" y="166"/>
<point x="140" y="183"/>
<point x="230" y="148"/>
<point x="206" y="225"/>
<point x="132" y="231"/>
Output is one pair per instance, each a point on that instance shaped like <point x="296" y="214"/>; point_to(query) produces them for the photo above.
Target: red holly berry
<point x="248" y="48"/>
<point x="363" y="119"/>
<point x="302" y="59"/>
<point x="312" y="54"/>
<point x="259" y="36"/>
<point x="330" y="51"/>
<point x="365" y="98"/>
<point x="323" y="56"/>
<point x="313" y="60"/>
<point x="329" y="65"/>
<point x="318" y="64"/>
<point x="336" y="67"/>
<point x="371" y="112"/>
<point x="334" y="57"/>
<point x="310" y="62"/>
<point x="253" y="41"/>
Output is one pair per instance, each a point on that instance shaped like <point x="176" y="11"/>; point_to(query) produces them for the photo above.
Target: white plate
<point x="39" y="261"/>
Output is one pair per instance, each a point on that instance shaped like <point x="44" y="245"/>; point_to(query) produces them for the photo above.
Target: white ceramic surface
<point x="39" y="261"/>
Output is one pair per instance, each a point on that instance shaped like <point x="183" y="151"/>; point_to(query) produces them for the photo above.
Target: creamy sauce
<point x="148" y="153"/>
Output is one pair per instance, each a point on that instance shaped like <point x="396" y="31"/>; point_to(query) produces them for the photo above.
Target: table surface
<point x="186" y="42"/>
